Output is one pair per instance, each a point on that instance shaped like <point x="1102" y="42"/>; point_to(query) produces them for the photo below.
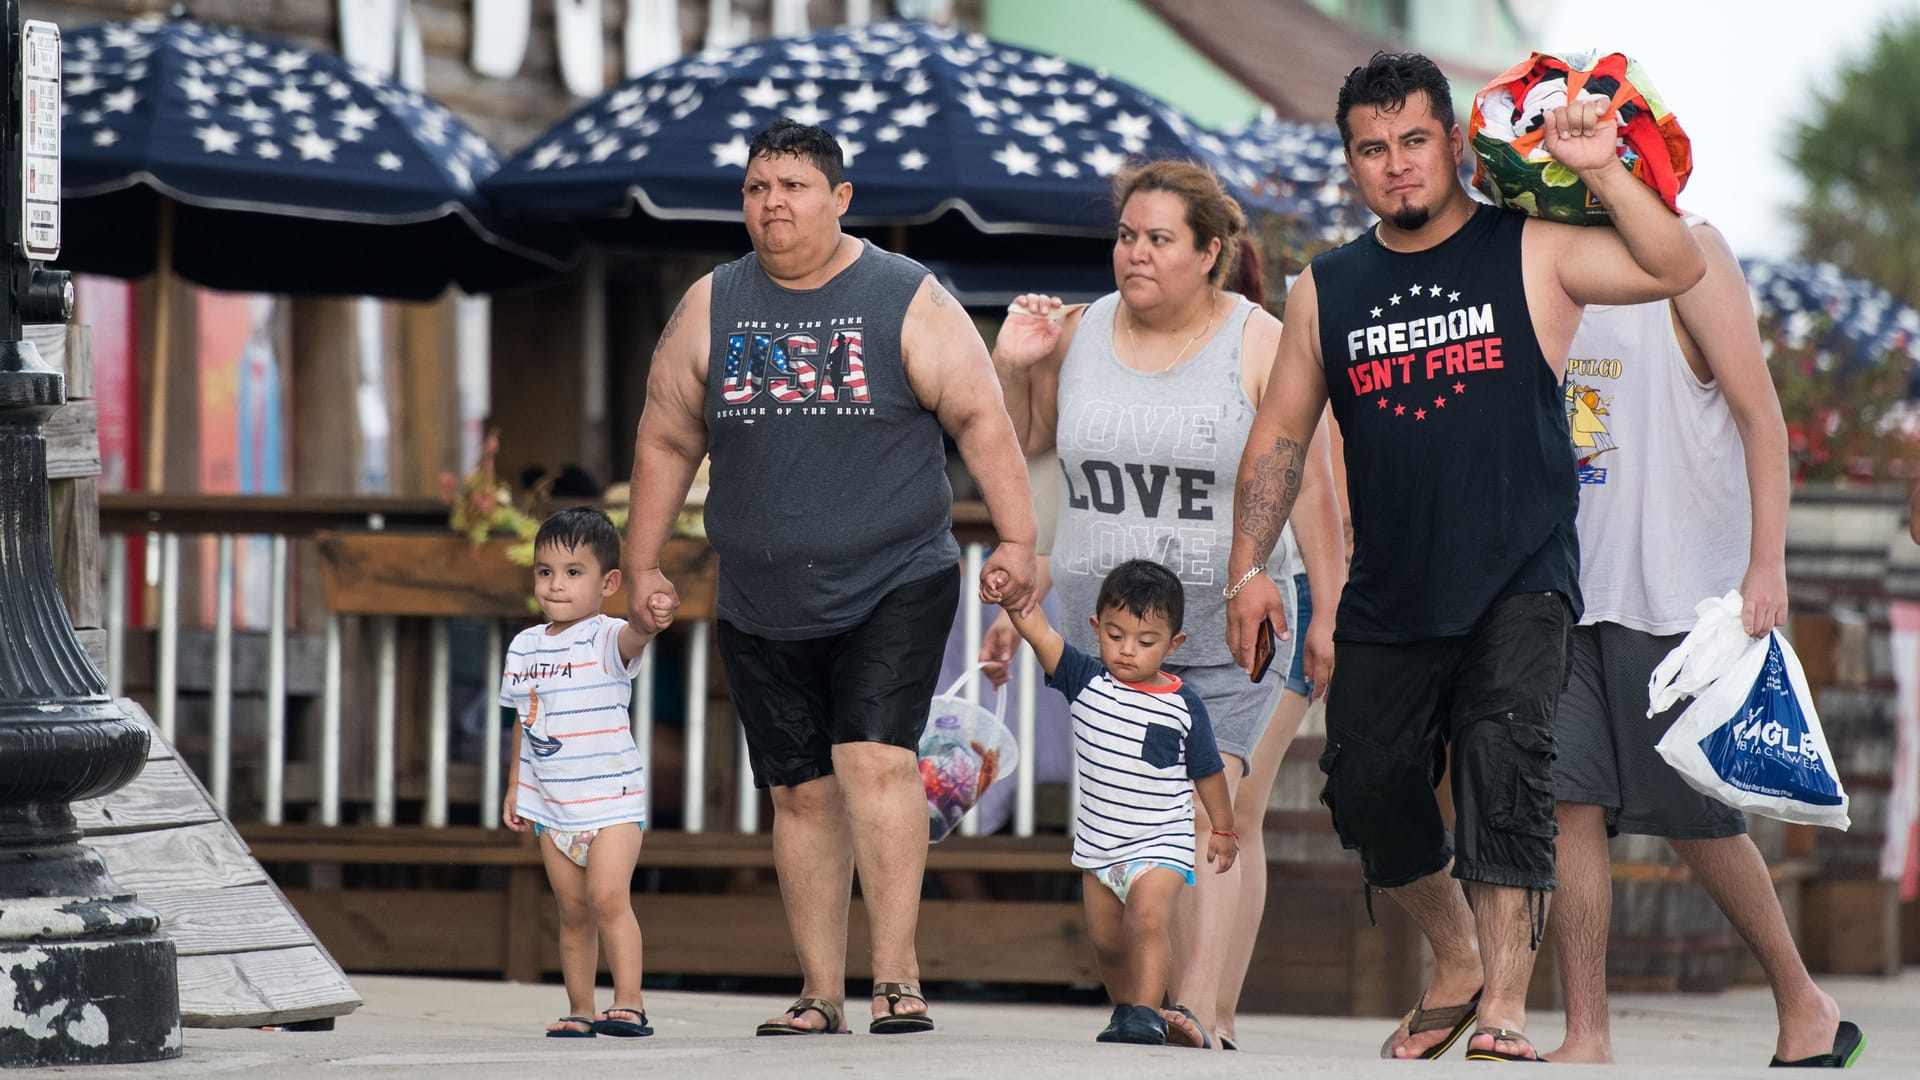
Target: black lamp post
<point x="85" y="976"/>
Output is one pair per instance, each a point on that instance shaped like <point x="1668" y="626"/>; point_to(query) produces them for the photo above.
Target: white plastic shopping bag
<point x="1751" y="738"/>
<point x="964" y="749"/>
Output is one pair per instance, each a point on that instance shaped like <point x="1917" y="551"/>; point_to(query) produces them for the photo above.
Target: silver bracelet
<point x="1233" y="590"/>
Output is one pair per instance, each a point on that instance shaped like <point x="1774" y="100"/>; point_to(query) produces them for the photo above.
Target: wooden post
<point x="73" y="465"/>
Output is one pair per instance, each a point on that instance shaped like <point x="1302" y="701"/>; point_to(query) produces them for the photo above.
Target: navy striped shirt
<point x="1138" y="752"/>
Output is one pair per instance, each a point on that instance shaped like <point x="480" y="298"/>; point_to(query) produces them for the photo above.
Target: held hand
<point x="510" y="815"/>
<point x="1580" y="135"/>
<point x="1763" y="598"/>
<point x="1030" y="332"/>
<point x="1258" y="599"/>
<point x="649" y="593"/>
<point x="1222" y="851"/>
<point x="997" y="647"/>
<point x="1007" y="577"/>
<point x="1317" y="661"/>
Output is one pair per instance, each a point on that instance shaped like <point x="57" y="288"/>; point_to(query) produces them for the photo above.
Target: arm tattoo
<point x="938" y="295"/>
<point x="673" y="323"/>
<point x="1266" y="498"/>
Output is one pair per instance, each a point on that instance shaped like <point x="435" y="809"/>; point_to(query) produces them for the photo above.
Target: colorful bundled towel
<point x="1508" y="129"/>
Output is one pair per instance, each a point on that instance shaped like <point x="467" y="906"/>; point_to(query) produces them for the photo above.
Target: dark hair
<point x="582" y="526"/>
<point x="1387" y="81"/>
<point x="1144" y="588"/>
<point x="790" y="138"/>
<point x="1249" y="277"/>
<point x="1212" y="214"/>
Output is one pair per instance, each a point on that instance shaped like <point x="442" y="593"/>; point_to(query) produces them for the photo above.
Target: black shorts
<point x="1395" y="711"/>
<point x="872" y="682"/>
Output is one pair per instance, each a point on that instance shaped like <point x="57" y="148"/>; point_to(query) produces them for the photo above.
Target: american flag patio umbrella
<point x="931" y="121"/>
<point x="246" y="162"/>
<point x="1849" y="321"/>
<point x="1306" y="165"/>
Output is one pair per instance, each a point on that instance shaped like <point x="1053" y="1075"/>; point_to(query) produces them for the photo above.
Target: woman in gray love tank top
<point x="1148" y="394"/>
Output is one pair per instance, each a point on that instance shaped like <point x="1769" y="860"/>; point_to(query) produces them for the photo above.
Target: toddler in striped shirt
<point x="577" y="778"/>
<point x="1143" y="746"/>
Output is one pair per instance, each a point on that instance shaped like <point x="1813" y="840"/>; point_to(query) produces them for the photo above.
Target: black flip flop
<point x="623" y="1029"/>
<point x="1848" y="1042"/>
<point x="569" y="1033"/>
<point x="1185" y="1039"/>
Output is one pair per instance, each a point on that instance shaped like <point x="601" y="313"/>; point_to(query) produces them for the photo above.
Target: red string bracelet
<point x="1235" y="835"/>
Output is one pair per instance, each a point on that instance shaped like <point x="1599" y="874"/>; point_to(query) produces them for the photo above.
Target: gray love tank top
<point x="1147" y="462"/>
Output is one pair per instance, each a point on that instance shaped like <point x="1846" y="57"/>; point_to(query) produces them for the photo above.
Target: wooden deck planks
<point x="245" y="956"/>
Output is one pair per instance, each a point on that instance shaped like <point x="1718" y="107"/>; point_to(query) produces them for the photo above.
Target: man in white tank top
<point x="1683" y="495"/>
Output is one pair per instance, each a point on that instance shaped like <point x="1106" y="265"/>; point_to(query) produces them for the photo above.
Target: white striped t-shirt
<point x="1138" y="752"/>
<point x="579" y="767"/>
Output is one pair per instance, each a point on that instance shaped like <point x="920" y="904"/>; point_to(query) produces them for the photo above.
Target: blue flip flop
<point x="623" y="1029"/>
<point x="569" y="1033"/>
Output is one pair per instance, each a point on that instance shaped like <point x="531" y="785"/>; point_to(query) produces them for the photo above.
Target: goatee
<point x="1410" y="218"/>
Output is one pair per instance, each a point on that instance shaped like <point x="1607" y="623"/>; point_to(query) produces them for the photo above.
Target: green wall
<point x="1130" y="44"/>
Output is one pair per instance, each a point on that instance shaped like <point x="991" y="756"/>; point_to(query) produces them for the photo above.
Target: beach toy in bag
<point x="1751" y="738"/>
<point x="964" y="750"/>
<point x="1507" y="128"/>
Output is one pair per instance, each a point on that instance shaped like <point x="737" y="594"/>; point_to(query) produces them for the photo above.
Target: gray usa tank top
<point x="1147" y="462"/>
<point x="828" y="479"/>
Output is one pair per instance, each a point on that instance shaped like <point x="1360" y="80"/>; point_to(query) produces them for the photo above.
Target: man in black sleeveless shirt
<point x="1440" y="338"/>
<point x="819" y="373"/>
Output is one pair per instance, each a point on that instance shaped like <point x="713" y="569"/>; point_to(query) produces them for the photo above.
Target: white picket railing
<point x="269" y="803"/>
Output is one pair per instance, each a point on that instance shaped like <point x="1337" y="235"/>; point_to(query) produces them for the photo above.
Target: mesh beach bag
<point x="964" y="750"/>
<point x="1507" y="129"/>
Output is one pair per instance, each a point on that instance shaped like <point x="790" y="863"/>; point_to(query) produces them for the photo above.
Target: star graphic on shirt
<point x="1376" y="312"/>
<point x="1453" y="297"/>
<point x="1394" y="300"/>
<point x="1415" y="291"/>
<point x="1419" y="414"/>
<point x="1383" y="403"/>
<point x="1439" y="403"/>
<point x="1459" y="388"/>
<point x="1399" y="410"/>
<point x="1433" y="290"/>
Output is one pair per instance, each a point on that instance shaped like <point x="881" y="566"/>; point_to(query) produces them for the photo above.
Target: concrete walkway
<point x="426" y="1029"/>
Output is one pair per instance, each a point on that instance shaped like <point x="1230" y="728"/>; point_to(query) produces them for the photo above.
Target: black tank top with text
<point x="1459" y="467"/>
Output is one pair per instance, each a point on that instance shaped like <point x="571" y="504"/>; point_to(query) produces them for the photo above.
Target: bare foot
<point x="1807" y="1026"/>
<point x="1582" y="1052"/>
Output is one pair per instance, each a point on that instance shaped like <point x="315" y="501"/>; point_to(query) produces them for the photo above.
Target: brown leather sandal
<point x="827" y="1010"/>
<point x="899" y="1023"/>
<point x="1501" y="1035"/>
<point x="1455" y="1018"/>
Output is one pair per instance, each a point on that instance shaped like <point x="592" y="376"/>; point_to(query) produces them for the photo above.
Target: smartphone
<point x="1263" y="650"/>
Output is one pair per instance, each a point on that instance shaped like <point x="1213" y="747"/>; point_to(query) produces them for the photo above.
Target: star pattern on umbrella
<point x="929" y="95"/>
<point x="240" y="96"/>
<point x="1849" y="321"/>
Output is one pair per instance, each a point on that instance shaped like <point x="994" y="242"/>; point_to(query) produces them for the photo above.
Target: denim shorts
<point x="1303" y="618"/>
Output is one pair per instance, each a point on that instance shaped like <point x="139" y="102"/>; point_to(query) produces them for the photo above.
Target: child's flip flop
<point x="569" y="1033"/>
<point x="623" y="1029"/>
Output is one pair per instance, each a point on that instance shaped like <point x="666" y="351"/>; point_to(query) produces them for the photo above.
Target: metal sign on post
<point x="40" y="139"/>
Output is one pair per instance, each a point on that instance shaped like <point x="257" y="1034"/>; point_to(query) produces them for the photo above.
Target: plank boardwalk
<point x="246" y="957"/>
